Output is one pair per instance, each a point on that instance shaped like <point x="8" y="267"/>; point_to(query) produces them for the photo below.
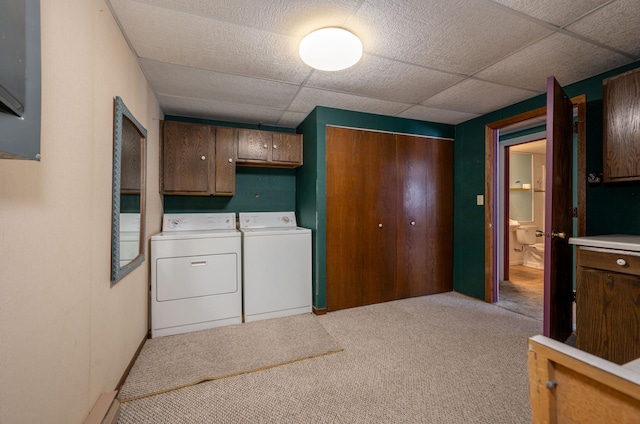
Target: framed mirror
<point x="129" y="188"/>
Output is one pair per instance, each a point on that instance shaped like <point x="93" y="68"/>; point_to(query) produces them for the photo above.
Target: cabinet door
<point x="425" y="216"/>
<point x="254" y="145"/>
<point x="287" y="148"/>
<point x="360" y="218"/>
<point x="187" y="152"/>
<point x="225" y="173"/>
<point x="131" y="166"/>
<point x="621" y="114"/>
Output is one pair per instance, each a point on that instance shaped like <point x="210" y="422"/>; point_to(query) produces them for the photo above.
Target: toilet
<point x="533" y="251"/>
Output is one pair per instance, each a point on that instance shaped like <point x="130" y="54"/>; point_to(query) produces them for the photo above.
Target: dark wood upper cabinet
<point x="270" y="149"/>
<point x="621" y="127"/>
<point x="187" y="158"/>
<point x="225" y="172"/>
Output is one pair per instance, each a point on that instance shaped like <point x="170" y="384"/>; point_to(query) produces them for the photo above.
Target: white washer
<point x="276" y="265"/>
<point x="196" y="279"/>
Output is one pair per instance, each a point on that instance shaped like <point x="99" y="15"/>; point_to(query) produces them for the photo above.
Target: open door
<point x="558" y="284"/>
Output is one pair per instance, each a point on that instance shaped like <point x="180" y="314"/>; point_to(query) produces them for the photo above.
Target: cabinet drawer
<point x="609" y="260"/>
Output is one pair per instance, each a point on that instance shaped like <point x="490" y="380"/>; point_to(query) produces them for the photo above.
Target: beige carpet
<point x="445" y="358"/>
<point x="171" y="362"/>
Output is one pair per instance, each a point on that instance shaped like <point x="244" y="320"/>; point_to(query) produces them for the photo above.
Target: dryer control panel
<point x="198" y="221"/>
<point x="267" y="220"/>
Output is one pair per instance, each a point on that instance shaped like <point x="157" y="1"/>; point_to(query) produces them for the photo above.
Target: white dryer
<point x="276" y="265"/>
<point x="195" y="273"/>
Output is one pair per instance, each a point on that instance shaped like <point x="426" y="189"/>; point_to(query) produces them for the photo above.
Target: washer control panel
<point x="198" y="221"/>
<point x="267" y="219"/>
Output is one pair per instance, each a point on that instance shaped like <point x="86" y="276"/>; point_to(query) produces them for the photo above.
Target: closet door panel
<point x="425" y="216"/>
<point x="361" y="218"/>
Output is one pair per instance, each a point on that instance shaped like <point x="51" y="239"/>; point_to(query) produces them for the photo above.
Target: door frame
<point x="491" y="187"/>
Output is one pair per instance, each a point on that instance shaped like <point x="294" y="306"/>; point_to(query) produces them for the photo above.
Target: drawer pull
<point x="621" y="262"/>
<point x="198" y="263"/>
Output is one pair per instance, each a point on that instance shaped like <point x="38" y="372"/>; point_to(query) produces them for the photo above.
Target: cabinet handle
<point x="264" y="145"/>
<point x="275" y="147"/>
<point x="621" y="262"/>
<point x="203" y="157"/>
<point x="413" y="222"/>
<point x="380" y="225"/>
<point x="230" y="160"/>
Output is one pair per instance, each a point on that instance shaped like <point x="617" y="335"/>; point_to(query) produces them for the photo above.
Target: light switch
<point x="480" y="199"/>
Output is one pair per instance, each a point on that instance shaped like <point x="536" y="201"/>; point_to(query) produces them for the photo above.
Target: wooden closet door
<point x="361" y="218"/>
<point x="425" y="216"/>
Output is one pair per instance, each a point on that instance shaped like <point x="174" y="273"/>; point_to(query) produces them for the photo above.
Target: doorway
<point x="495" y="226"/>
<point x="522" y="162"/>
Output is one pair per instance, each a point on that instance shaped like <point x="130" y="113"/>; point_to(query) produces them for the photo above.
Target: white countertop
<point x="610" y="241"/>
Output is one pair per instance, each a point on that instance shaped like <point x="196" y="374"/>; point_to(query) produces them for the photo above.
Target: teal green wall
<point x="311" y="189"/>
<point x="257" y="189"/>
<point x="611" y="208"/>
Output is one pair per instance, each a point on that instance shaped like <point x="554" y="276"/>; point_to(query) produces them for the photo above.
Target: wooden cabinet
<point x="389" y="217"/>
<point x="225" y="168"/>
<point x="621" y="127"/>
<point x="608" y="304"/>
<point x="197" y="159"/>
<point x="274" y="149"/>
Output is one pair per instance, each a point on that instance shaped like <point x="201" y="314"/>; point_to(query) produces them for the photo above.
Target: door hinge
<point x="574" y="212"/>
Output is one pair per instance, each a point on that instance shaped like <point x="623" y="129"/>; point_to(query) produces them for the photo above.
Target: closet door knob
<point x="621" y="262"/>
<point x="264" y="145"/>
<point x="203" y="157"/>
<point x="413" y="222"/>
<point x="275" y="147"/>
<point x="380" y="225"/>
<point x="230" y="160"/>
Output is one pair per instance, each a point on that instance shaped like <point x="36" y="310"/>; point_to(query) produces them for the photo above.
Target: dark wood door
<point x="425" y="216"/>
<point x="187" y="158"/>
<point x="254" y="145"/>
<point x="360" y="217"/>
<point x="621" y="120"/>
<point x="558" y="264"/>
<point x="225" y="173"/>
<point x="287" y="148"/>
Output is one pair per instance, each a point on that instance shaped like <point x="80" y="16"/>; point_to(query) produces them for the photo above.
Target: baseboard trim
<point x="319" y="311"/>
<point x="106" y="410"/>
<point x="133" y="360"/>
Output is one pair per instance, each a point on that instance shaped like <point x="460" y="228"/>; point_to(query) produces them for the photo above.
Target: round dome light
<point x="331" y="49"/>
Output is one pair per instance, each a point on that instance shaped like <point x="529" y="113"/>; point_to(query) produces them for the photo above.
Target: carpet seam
<point x="203" y="380"/>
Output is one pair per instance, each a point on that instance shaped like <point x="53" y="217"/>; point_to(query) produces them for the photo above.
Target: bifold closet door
<point x="360" y="217"/>
<point x="425" y="216"/>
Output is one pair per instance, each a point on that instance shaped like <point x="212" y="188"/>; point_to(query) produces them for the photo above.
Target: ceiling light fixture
<point x="331" y="49"/>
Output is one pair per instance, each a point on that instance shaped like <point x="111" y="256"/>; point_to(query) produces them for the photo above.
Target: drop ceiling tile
<point x="291" y="119"/>
<point x="176" y="80"/>
<point x="289" y="17"/>
<point x="309" y="98"/>
<point x="459" y="36"/>
<point x="615" y="25"/>
<point x="169" y="36"/>
<point x="424" y="113"/>
<point x="386" y="79"/>
<point x="475" y="96"/>
<point x="567" y="58"/>
<point x="556" y="12"/>
<point x="222" y="111"/>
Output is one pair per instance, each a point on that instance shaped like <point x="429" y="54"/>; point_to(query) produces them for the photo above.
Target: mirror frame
<point x="122" y="113"/>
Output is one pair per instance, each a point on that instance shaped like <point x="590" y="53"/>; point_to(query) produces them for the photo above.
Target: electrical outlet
<point x="480" y="199"/>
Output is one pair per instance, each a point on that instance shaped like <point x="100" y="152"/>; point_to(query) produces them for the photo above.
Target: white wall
<point x="66" y="336"/>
